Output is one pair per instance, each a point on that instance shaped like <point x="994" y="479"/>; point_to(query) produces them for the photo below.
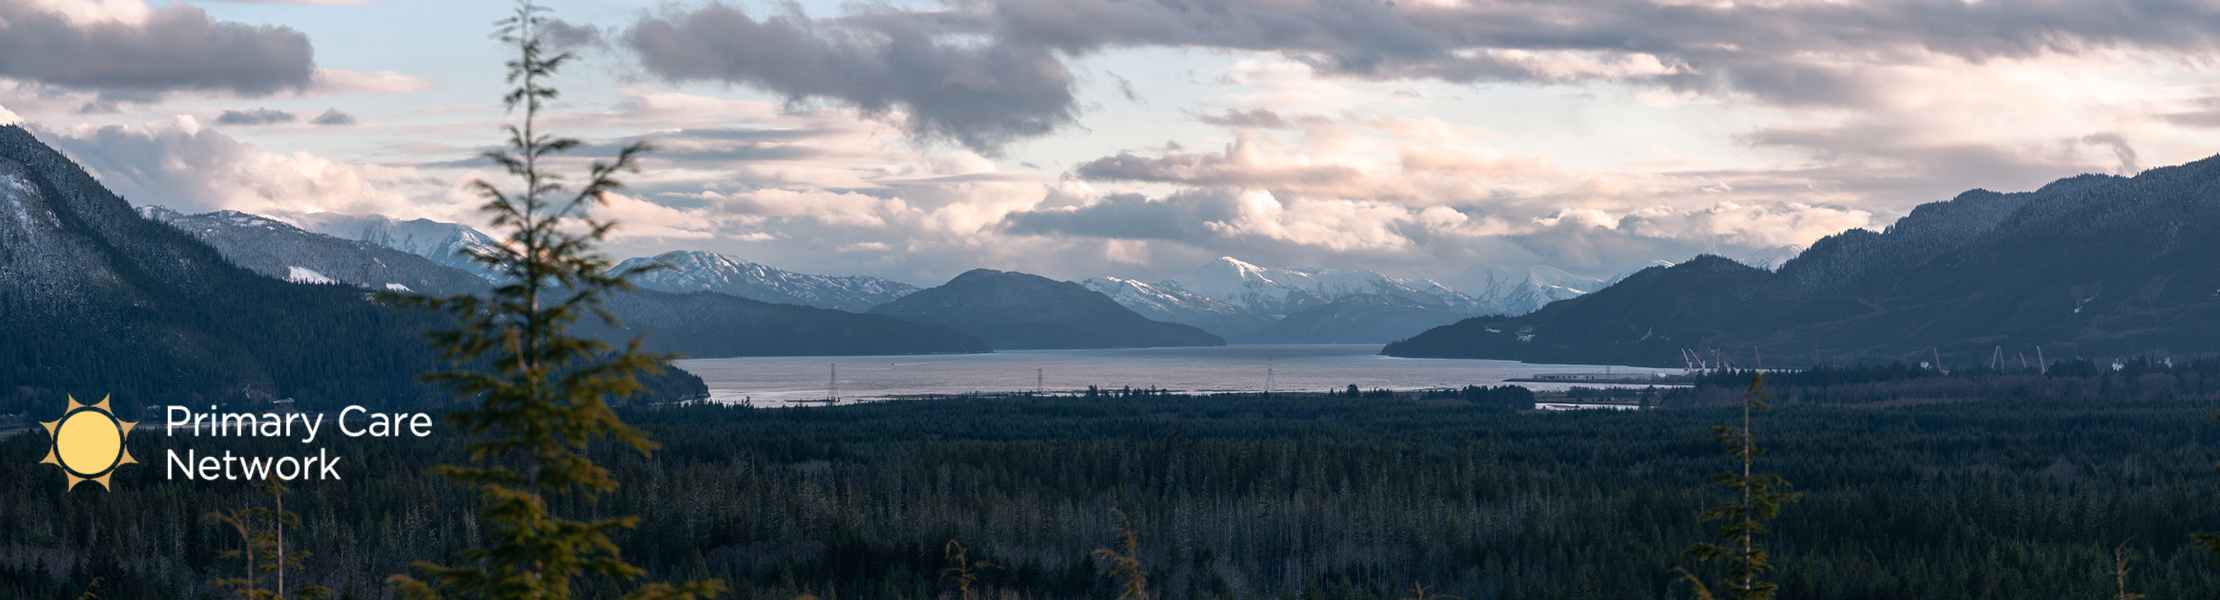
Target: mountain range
<point x="1237" y="300"/>
<point x="1523" y="290"/>
<point x="690" y="271"/>
<point x="1233" y="299"/>
<point x="698" y="324"/>
<point x="444" y="244"/>
<point x="1174" y="305"/>
<point x="278" y="249"/>
<point x="1019" y="311"/>
<point x="1276" y="292"/>
<point x="2093" y="266"/>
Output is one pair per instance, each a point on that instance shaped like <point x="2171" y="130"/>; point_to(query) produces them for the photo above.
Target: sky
<point x="918" y="139"/>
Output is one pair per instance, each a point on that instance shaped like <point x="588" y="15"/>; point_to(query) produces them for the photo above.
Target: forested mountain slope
<point x="2089" y="266"/>
<point x="98" y="300"/>
<point x="1009" y="310"/>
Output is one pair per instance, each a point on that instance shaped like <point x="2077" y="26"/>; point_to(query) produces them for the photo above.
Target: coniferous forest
<point x="1324" y="496"/>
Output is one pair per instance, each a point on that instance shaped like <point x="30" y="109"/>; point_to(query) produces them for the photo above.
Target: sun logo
<point x="88" y="443"/>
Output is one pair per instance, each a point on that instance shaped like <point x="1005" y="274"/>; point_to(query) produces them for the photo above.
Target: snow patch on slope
<point x="303" y="275"/>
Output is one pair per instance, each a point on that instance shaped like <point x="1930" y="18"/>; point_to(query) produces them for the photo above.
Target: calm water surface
<point x="1308" y="368"/>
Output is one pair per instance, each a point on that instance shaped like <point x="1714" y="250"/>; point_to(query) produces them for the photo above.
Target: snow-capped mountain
<point x="693" y="322"/>
<point x="1276" y="293"/>
<point x="694" y="271"/>
<point x="278" y="249"/>
<point x="1524" y="290"/>
<point x="1175" y="305"/>
<point x="442" y="243"/>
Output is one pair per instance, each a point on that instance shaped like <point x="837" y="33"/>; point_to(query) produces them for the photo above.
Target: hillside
<point x="713" y="325"/>
<point x="444" y="244"/>
<point x="1010" y="310"/>
<point x="100" y="301"/>
<point x="2090" y="266"/>
<point x="280" y="250"/>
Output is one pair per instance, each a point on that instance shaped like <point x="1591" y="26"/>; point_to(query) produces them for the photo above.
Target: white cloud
<point x="90" y="12"/>
<point x="343" y="81"/>
<point x="307" y="2"/>
<point x="184" y="166"/>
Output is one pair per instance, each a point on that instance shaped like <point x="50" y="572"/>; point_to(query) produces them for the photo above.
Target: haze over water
<point x="1293" y="368"/>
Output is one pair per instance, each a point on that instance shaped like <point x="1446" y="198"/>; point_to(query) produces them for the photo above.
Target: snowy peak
<point x="1174" y="305"/>
<point x="693" y="271"/>
<point x="1157" y="298"/>
<point x="1279" y="292"/>
<point x="1521" y="290"/>
<point x="442" y="243"/>
<point x="278" y="249"/>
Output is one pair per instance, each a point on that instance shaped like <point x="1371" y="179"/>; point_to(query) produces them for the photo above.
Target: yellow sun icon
<point x="88" y="443"/>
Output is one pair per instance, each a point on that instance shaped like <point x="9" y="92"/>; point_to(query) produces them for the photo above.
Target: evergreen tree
<point x="262" y="530"/>
<point x="1745" y="518"/>
<point x="547" y="393"/>
<point x="1125" y="560"/>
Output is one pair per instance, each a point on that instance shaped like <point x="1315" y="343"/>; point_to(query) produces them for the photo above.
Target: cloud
<point x="562" y="35"/>
<point x="1241" y="164"/>
<point x="1894" y="164"/>
<point x="1790" y="51"/>
<point x="1257" y="118"/>
<point x="1427" y="241"/>
<point x="2120" y="150"/>
<point x="1418" y="161"/>
<point x="1785" y="53"/>
<point x="181" y="165"/>
<point x="981" y="95"/>
<point x="342" y="81"/>
<point x="1127" y="217"/>
<point x="333" y="117"/>
<point x="130" y="50"/>
<point x="259" y="116"/>
<point x="307" y="2"/>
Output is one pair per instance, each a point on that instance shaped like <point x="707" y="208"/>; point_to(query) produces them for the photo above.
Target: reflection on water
<point x="1308" y="368"/>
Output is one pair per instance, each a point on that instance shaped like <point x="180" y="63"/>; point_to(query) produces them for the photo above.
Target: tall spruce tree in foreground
<point x="262" y="531"/>
<point x="1745" y="518"/>
<point x="547" y="392"/>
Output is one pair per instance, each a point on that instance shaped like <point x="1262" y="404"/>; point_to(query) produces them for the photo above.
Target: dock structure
<point x="1603" y="404"/>
<point x="1577" y="377"/>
